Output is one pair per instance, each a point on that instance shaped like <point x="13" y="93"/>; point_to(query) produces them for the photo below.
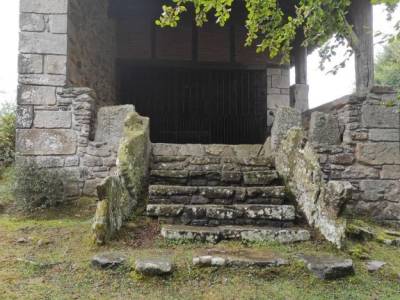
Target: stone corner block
<point x="46" y="142"/>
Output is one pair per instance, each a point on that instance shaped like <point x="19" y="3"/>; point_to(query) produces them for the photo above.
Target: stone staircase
<point x="219" y="192"/>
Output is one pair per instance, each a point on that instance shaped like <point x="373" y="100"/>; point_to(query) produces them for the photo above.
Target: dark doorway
<point x="200" y="104"/>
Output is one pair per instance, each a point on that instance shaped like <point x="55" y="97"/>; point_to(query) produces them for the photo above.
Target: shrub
<point x="37" y="187"/>
<point x="7" y="135"/>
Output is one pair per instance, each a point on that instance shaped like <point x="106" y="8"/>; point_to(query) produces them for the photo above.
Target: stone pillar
<point x="299" y="91"/>
<point x="42" y="69"/>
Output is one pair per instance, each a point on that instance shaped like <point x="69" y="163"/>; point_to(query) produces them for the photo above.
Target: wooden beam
<point x="361" y="17"/>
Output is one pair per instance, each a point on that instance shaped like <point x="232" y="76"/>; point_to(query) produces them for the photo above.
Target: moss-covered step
<point x="213" y="176"/>
<point x="197" y="195"/>
<point x="244" y="233"/>
<point x="223" y="214"/>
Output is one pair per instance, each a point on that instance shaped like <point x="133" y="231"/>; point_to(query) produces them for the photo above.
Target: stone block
<point x="379" y="116"/>
<point x="53" y="119"/>
<point x="380" y="190"/>
<point x="391" y="172"/>
<point x="359" y="172"/>
<point x="44" y="6"/>
<point x="55" y="64"/>
<point x="299" y="97"/>
<point x="274" y="71"/>
<point x="90" y="187"/>
<point x="72" y="161"/>
<point x="285" y="119"/>
<point x="384" y="135"/>
<point x="50" y="161"/>
<point x="32" y="22"/>
<point x="43" y="43"/>
<point x="378" y="153"/>
<point x="280" y="81"/>
<point x="276" y="101"/>
<point x="30" y="64"/>
<point x="46" y="142"/>
<point x="43" y="79"/>
<point x="324" y="129"/>
<point x="24" y="116"/>
<point x="58" y="23"/>
<point x="36" y="95"/>
<point x="110" y="123"/>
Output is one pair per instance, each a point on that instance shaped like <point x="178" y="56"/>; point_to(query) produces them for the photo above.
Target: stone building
<point x="83" y="64"/>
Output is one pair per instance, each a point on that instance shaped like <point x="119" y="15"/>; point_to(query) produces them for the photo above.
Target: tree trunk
<point x="361" y="17"/>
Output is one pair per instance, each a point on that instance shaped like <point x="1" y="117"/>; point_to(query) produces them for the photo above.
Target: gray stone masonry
<point x="61" y="136"/>
<point x="368" y="154"/>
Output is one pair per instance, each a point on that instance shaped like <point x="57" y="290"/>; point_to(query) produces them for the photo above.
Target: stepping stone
<point x="154" y="267"/>
<point x="244" y="258"/>
<point x="108" y="261"/>
<point x="375" y="265"/>
<point x="328" y="267"/>
<point x="395" y="242"/>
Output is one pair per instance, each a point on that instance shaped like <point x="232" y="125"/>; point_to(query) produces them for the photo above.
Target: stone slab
<point x="384" y="135"/>
<point x="328" y="267"/>
<point x="378" y="153"/>
<point x="36" y="95"/>
<point x="24" y="116"/>
<point x="154" y="266"/>
<point x="43" y="43"/>
<point x="30" y="64"/>
<point x="379" y="116"/>
<point x="108" y="260"/>
<point x="245" y="233"/>
<point x="46" y="142"/>
<point x="110" y="123"/>
<point x="44" y="6"/>
<point x="53" y="119"/>
<point x="324" y="129"/>
<point x="241" y="258"/>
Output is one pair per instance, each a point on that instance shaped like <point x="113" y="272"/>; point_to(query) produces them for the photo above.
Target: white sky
<point x="323" y="87"/>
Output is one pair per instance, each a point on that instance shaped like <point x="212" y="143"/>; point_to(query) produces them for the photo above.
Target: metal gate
<point x="198" y="105"/>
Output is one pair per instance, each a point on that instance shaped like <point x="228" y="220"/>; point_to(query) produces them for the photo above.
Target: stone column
<point x="299" y="91"/>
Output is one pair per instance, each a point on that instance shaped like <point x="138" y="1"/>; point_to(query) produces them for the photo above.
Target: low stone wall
<point x="122" y="194"/>
<point x="363" y="148"/>
<point x="62" y="137"/>
<point x="320" y="200"/>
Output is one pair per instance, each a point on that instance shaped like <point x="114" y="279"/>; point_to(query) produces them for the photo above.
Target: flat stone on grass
<point x="243" y="258"/>
<point x="108" y="261"/>
<point x="375" y="265"/>
<point x="328" y="267"/>
<point x="154" y="266"/>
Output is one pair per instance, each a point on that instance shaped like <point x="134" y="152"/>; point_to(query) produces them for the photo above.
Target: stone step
<point x="215" y="215"/>
<point x="214" y="177"/>
<point x="244" y="233"/>
<point x="195" y="195"/>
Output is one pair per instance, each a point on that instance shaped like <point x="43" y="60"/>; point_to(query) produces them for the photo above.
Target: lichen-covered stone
<point x="285" y="118"/>
<point x="320" y="203"/>
<point x="324" y="129"/>
<point x="121" y="195"/>
<point x="327" y="267"/>
<point x="154" y="267"/>
<point x="220" y="258"/>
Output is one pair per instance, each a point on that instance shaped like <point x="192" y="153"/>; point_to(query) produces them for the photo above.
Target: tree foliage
<point x="272" y="28"/>
<point x="387" y="70"/>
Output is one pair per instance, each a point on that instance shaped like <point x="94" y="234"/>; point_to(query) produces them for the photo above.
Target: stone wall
<point x="92" y="48"/>
<point x="278" y="91"/>
<point x="359" y="141"/>
<point x="62" y="137"/>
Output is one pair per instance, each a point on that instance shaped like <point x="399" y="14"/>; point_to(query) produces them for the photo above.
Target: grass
<point x="55" y="264"/>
